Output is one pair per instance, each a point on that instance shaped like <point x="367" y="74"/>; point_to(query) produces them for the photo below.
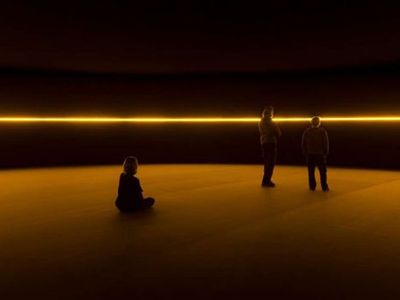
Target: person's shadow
<point x="143" y="216"/>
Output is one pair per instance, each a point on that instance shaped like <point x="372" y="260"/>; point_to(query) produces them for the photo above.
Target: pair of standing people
<point x="315" y="146"/>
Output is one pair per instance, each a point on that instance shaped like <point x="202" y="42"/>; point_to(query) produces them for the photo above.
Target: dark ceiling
<point x="172" y="37"/>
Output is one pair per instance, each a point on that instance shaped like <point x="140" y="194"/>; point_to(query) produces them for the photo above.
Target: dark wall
<point x="365" y="145"/>
<point x="362" y="145"/>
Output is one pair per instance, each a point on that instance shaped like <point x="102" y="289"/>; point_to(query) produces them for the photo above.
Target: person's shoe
<point x="325" y="188"/>
<point x="268" y="184"/>
<point x="312" y="188"/>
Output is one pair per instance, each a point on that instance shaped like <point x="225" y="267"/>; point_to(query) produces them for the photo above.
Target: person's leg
<point x="322" y="173"/>
<point x="269" y="151"/>
<point x="311" y="173"/>
<point x="148" y="202"/>
<point x="272" y="161"/>
<point x="265" y="153"/>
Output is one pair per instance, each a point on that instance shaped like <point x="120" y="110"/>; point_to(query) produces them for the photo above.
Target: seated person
<point x="130" y="197"/>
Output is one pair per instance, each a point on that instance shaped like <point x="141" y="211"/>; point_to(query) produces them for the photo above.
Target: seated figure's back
<point x="130" y="195"/>
<point x="129" y="191"/>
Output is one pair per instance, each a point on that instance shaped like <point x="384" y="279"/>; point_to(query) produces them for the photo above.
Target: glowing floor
<point x="214" y="233"/>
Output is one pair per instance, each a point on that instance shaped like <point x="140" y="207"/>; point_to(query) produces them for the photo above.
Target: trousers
<point x="269" y="151"/>
<point x="319" y="161"/>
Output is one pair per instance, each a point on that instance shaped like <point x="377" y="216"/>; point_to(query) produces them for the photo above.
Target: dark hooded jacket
<point x="315" y="141"/>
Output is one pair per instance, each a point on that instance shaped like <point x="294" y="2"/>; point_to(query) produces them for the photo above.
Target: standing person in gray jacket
<point x="269" y="134"/>
<point x="315" y="146"/>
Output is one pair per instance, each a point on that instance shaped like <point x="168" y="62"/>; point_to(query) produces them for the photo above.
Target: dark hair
<point x="268" y="111"/>
<point x="130" y="165"/>
<point x="268" y="108"/>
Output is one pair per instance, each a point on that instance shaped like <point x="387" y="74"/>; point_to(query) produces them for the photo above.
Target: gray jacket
<point x="315" y="141"/>
<point x="269" y="131"/>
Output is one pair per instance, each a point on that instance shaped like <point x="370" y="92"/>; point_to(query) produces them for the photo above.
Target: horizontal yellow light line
<point x="361" y="119"/>
<point x="126" y="120"/>
<point x="191" y="120"/>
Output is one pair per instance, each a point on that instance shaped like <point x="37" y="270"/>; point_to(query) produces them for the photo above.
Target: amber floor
<point x="213" y="234"/>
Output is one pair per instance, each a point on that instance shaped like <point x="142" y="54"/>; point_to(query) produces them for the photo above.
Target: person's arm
<point x="278" y="131"/>
<point x="260" y="127"/>
<point x="121" y="185"/>
<point x="326" y="142"/>
<point x="137" y="188"/>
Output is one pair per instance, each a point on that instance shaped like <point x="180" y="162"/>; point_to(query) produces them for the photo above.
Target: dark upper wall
<point x="169" y="37"/>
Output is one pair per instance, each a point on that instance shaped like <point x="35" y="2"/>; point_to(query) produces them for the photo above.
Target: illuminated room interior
<point x="182" y="88"/>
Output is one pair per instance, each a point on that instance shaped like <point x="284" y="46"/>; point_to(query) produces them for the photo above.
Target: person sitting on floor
<point x="130" y="197"/>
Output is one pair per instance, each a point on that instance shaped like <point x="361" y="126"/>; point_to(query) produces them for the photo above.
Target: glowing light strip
<point x="191" y="120"/>
<point x="127" y="120"/>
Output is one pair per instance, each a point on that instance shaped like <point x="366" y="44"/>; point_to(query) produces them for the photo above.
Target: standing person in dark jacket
<point x="315" y="146"/>
<point x="130" y="197"/>
<point x="269" y="134"/>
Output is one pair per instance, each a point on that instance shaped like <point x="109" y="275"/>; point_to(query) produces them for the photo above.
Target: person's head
<point x="268" y="112"/>
<point x="316" y="121"/>
<point x="130" y="165"/>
